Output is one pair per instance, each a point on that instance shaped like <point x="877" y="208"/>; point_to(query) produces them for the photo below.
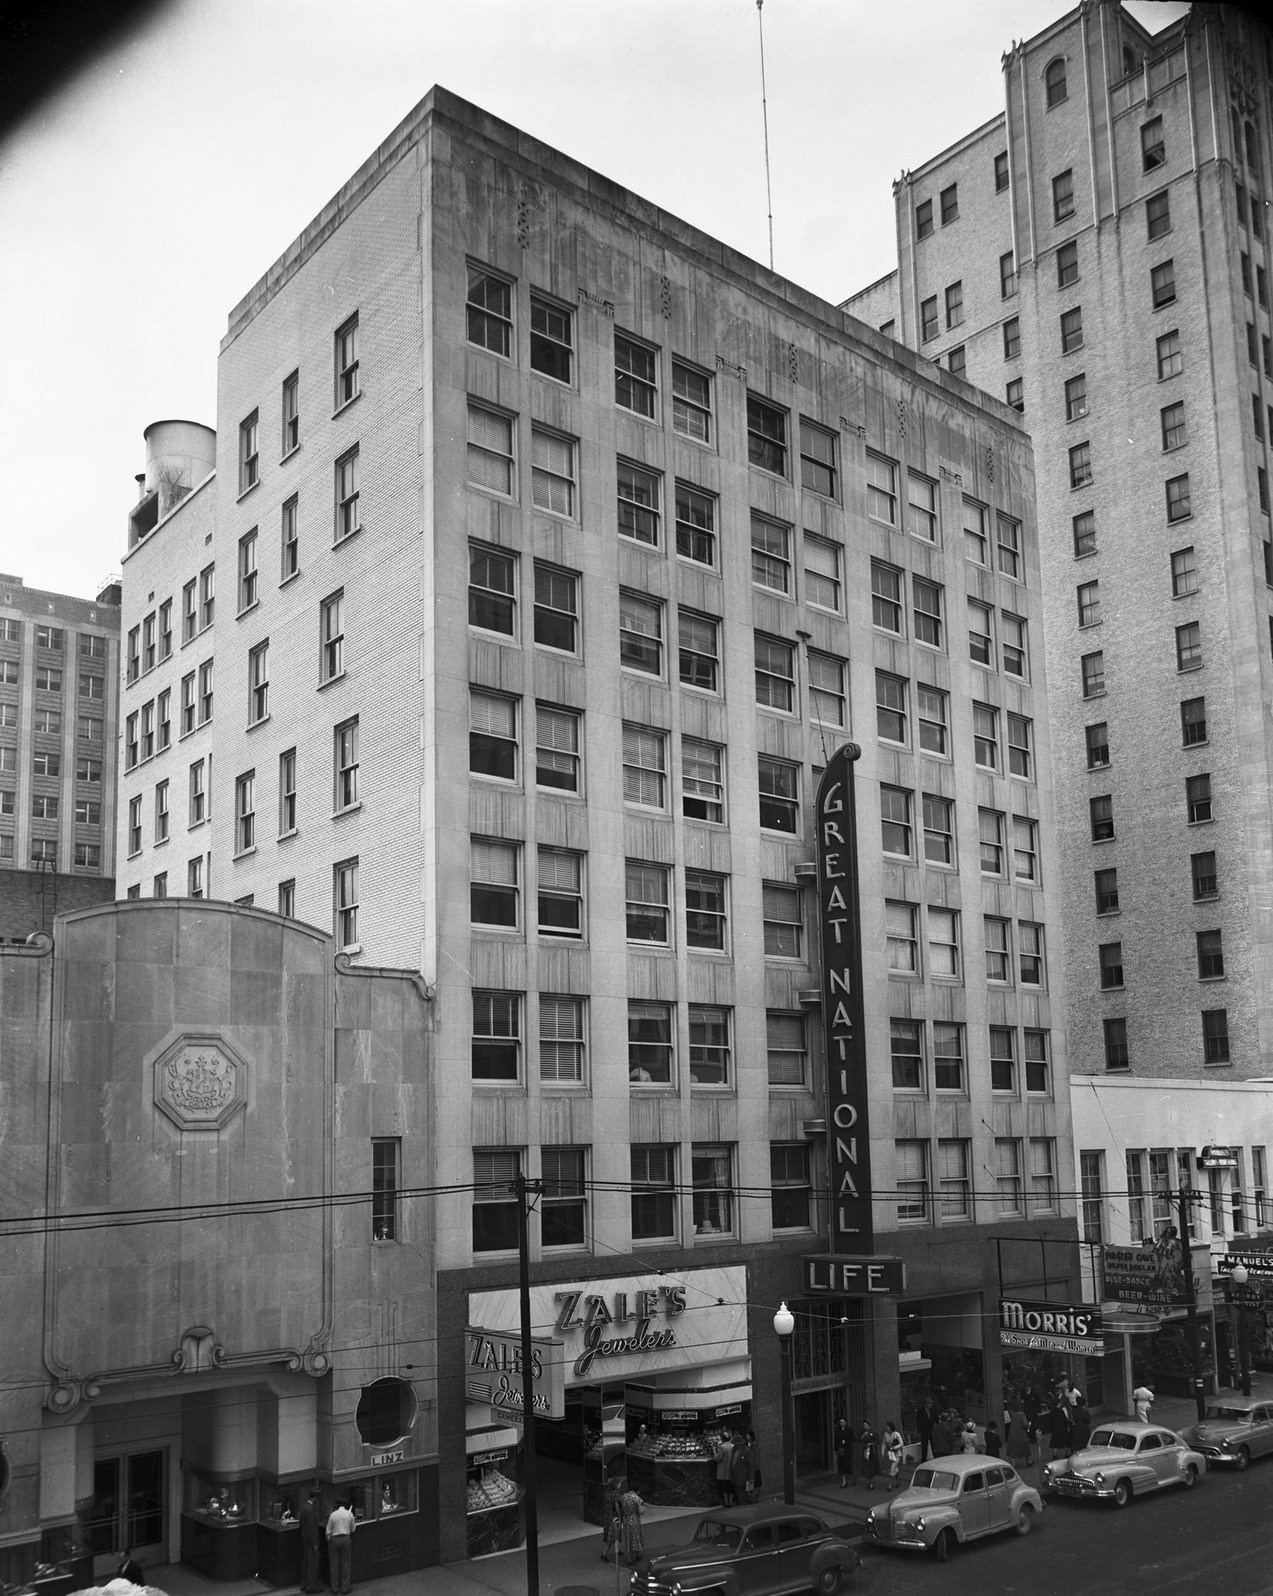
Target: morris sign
<point x="1051" y="1327"/>
<point x="848" y="1135"/>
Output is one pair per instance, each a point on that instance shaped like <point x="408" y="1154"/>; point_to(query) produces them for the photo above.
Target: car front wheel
<point x="1122" y="1493"/>
<point x="1243" y="1458"/>
<point x="1190" y="1477"/>
<point x="944" y="1545"/>
<point x="1025" y="1519"/>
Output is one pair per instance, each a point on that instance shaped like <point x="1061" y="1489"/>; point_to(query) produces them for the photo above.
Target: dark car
<point x="753" y="1551"/>
<point x="1234" y="1432"/>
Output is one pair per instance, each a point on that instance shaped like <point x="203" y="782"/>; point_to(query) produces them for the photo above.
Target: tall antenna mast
<point x="764" y="112"/>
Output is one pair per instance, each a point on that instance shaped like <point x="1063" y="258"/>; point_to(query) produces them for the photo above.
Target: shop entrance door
<point x="812" y="1437"/>
<point x="128" y="1506"/>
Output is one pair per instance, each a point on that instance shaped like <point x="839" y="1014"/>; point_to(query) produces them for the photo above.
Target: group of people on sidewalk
<point x="866" y="1454"/>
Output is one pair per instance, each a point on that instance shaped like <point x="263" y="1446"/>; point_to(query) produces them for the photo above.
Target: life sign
<point x="854" y="1277"/>
<point x="840" y="929"/>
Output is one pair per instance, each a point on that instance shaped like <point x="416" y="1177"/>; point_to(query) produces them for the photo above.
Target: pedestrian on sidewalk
<point x="1080" y="1425"/>
<point x="924" y="1429"/>
<point x="740" y="1469"/>
<point x="340" y="1547"/>
<point x="311" y="1542"/>
<point x="724" y="1457"/>
<point x="845" y="1441"/>
<point x="992" y="1440"/>
<point x="753" y="1493"/>
<point x="1020" y="1451"/>
<point x="610" y="1520"/>
<point x="631" y="1535"/>
<point x="894" y="1447"/>
<point x="866" y="1456"/>
<point x="1142" y="1401"/>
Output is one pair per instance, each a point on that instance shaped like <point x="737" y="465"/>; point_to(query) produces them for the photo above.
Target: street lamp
<point x="1239" y="1276"/>
<point x="784" y="1329"/>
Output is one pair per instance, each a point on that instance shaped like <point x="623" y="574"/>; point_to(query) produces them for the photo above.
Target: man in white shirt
<point x="340" y="1544"/>
<point x="1142" y="1401"/>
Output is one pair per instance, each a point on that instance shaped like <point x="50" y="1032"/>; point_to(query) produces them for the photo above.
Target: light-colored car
<point x="1234" y="1432"/>
<point x="1124" y="1459"/>
<point x="954" y="1499"/>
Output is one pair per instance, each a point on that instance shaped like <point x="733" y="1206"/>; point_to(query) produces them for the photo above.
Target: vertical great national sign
<point x="840" y="928"/>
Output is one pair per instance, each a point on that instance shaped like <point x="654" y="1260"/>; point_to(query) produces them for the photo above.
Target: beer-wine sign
<point x="840" y="931"/>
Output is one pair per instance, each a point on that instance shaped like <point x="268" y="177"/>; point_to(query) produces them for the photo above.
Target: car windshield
<point x="1117" y="1438"/>
<point x="935" y="1480"/>
<point x="1218" y="1410"/>
<point x="713" y="1533"/>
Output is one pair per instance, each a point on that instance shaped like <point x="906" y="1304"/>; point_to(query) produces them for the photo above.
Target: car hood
<point x="1217" y="1429"/>
<point x="915" y="1498"/>
<point x="1096" y="1457"/>
<point x="693" y="1553"/>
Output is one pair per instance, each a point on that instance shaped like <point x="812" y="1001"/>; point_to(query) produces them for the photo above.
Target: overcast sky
<point x="143" y="198"/>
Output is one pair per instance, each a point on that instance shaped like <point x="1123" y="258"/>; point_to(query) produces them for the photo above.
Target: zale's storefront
<point x="654" y="1370"/>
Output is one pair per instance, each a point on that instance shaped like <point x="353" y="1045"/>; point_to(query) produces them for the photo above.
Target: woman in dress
<point x="631" y="1538"/>
<point x="845" y="1441"/>
<point x="866" y="1456"/>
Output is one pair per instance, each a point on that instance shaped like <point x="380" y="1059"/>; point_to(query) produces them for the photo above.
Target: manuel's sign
<point x="1051" y="1326"/>
<point x="839" y="921"/>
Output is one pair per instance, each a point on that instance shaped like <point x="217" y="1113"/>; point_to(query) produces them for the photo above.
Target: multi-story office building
<point x="1098" y="254"/>
<point x="59" y="669"/>
<point x="559" y="549"/>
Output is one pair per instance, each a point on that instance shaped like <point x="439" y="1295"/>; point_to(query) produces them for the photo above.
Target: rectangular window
<point x="1009" y="1197"/>
<point x="895" y="821"/>
<point x="258" y="685"/>
<point x="492" y="735"/>
<point x="1215" y="1036"/>
<point x="695" y="524"/>
<point x="890" y="707"/>
<point x="492" y="589"/>
<point x="1021" y="746"/>
<point x="828" y="698"/>
<point x="954" y="1186"/>
<point x="489" y="311"/>
<point x="783" y="924"/>
<point x="766" y="435"/>
<point x="932" y="714"/>
<point x="711" y="1168"/>
<point x="1042" y="1175"/>
<point x="650" y="1043"/>
<point x="924" y="219"/>
<point x="331" y="633"/>
<point x="1080" y="465"/>
<point x="1062" y="196"/>
<point x="1153" y="149"/>
<point x="1189" y="646"/>
<point x="247" y="570"/>
<point x="921" y="507"/>
<point x="1179" y="501"/>
<point x="497" y="1036"/>
<point x="954" y="297"/>
<point x="291" y="413"/>
<point x="290" y="546"/>
<point x="709" y="1045"/>
<point x="194" y="878"/>
<point x="998" y="934"/>
<point x="790" y="1186"/>
<point x="1088" y="596"/>
<point x="198" y="811"/>
<point x="929" y="325"/>
<point x="386" y="1176"/>
<point x="1076" y="397"/>
<point x="1037" y="1069"/>
<point x="990" y="834"/>
<point x="1210" y="955"/>
<point x="648" y="911"/>
<point x="346" y="362"/>
<point x="900" y="940"/>
<point x="939" y="829"/>
<point x="774" y="672"/>
<point x="635" y="375"/>
<point x="245" y="812"/>
<point x="1001" y="171"/>
<point x="886" y="597"/>
<point x="949" y="199"/>
<point x="770" y="553"/>
<point x="1013" y="651"/>
<point x="1198" y="798"/>
<point x="786" y="1047"/>
<point x="249" y="453"/>
<point x="1007" y="275"/>
<point x="640" y="633"/>
<point x="906" y="1047"/>
<point x="943" y="943"/>
<point x="644" y="767"/>
<point x="1092" y="667"/>
<point x="561" y="1040"/>
<point x="287" y="792"/>
<point x="345" y="902"/>
<point x="1158" y="215"/>
<point x="1025" y="848"/>
<point x="926" y="598"/>
<point x="1162" y="284"/>
<point x="552" y="472"/>
<point x="1111" y="965"/>
<point x="778" y="783"/>
<point x="705" y="905"/>
<point x="490" y="450"/>
<point x="702" y="780"/>
<point x="691" y="402"/>
<point x="1115" y="1041"/>
<point x="822" y="579"/>
<point x="560" y="893"/>
<point x="1067" y="264"/>
<point x="347" y="514"/>
<point x="1203" y="873"/>
<point x="345" y="765"/>
<point x="640" y="500"/>
<point x="1071" y="330"/>
<point x="563" y="1220"/>
<point x="551" y="338"/>
<point x="654" y="1194"/>
<point x="1096" y="738"/>
<point x="134" y="821"/>
<point x="818" y="468"/>
<point x="1172" y="419"/>
<point x="914" y="1198"/>
<point x="881" y="488"/>
<point x="496" y="1173"/>
<point x="1171" y="359"/>
<point x="48" y="680"/>
<point x="1106" y="886"/>
<point x="985" y="736"/>
<point x="1101" y="815"/>
<point x="556" y="619"/>
<point x="494" y="883"/>
<point x="1193" y="721"/>
<point x="981" y="647"/>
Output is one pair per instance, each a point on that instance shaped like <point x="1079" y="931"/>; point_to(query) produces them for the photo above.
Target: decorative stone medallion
<point x="200" y="1082"/>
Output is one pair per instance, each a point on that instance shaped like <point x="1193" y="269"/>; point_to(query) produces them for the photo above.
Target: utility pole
<point x="1187" y="1197"/>
<point x="530" y="1498"/>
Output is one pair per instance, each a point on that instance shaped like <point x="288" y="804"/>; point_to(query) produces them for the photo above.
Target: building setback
<point x="59" y="700"/>
<point x="558" y="549"/>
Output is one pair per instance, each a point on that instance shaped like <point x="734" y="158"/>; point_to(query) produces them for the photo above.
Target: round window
<point x="386" y="1411"/>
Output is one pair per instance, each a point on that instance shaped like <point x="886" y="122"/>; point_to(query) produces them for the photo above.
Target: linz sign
<point x="848" y="1141"/>
<point x="854" y="1277"/>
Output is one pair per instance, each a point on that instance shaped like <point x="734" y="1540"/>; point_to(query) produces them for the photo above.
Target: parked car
<point x="753" y="1551"/>
<point x="1123" y="1460"/>
<point x="1233" y="1432"/>
<point x="954" y="1499"/>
